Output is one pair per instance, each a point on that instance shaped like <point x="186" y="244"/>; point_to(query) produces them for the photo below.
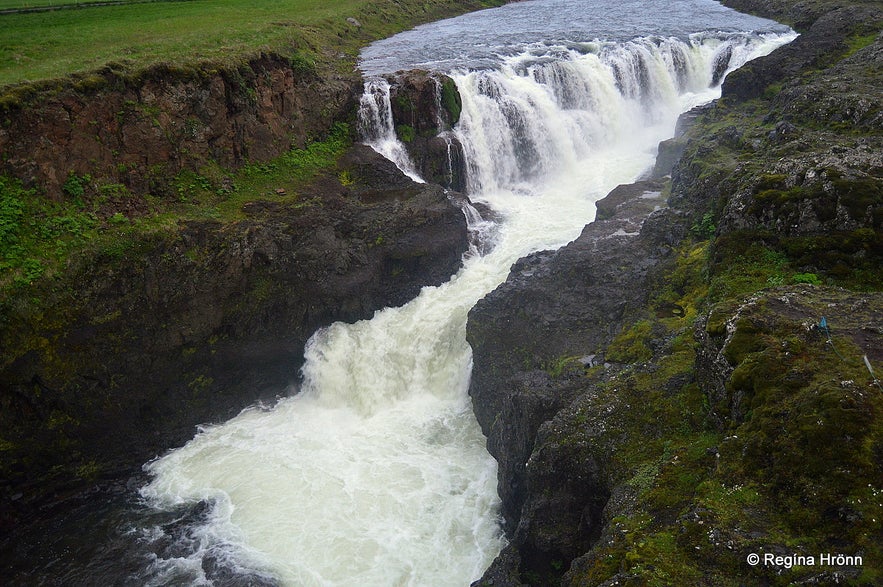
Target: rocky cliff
<point x="170" y="239"/>
<point x="127" y="353"/>
<point x="664" y="405"/>
<point x="142" y="132"/>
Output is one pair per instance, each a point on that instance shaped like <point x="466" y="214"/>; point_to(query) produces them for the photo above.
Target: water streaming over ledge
<point x="375" y="473"/>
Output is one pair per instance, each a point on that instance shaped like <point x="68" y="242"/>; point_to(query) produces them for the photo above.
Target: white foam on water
<point x="376" y="473"/>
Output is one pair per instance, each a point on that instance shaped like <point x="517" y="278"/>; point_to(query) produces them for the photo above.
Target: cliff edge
<point x="668" y="403"/>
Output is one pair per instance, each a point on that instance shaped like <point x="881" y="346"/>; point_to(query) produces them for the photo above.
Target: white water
<point x="376" y="472"/>
<point x="378" y="128"/>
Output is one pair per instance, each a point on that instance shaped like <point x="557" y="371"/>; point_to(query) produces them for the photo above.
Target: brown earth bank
<point x="117" y="352"/>
<point x="666" y="401"/>
<point x="141" y="128"/>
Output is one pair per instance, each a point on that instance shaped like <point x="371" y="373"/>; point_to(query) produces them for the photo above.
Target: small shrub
<point x="118" y="218"/>
<point x="75" y="186"/>
<point x="346" y="178"/>
<point x="704" y="228"/>
<point x="406" y="133"/>
<point x="11" y="212"/>
<point x="810" y="278"/>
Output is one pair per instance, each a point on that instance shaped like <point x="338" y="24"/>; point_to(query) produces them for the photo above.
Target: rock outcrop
<point x="143" y="132"/>
<point x="211" y="318"/>
<point x="665" y="403"/>
<point x="532" y="347"/>
<point x="425" y="107"/>
<point x="524" y="334"/>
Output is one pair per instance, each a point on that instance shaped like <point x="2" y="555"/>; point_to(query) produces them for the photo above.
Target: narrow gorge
<point x="461" y="335"/>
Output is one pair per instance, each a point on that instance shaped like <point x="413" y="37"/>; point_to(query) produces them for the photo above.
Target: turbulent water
<point x="375" y="472"/>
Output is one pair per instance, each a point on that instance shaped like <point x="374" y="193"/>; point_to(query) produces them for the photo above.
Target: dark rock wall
<point x="624" y="381"/>
<point x="209" y="320"/>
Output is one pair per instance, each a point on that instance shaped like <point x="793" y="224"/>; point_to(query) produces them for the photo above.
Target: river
<point x="375" y="471"/>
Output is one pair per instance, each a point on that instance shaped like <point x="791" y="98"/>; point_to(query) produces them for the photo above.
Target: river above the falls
<point x="374" y="471"/>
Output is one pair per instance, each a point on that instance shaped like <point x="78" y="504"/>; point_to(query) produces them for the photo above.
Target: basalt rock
<point x="212" y="318"/>
<point x="786" y="164"/>
<point x="425" y="107"/>
<point x="816" y="48"/>
<point x="532" y="338"/>
<point x="426" y="102"/>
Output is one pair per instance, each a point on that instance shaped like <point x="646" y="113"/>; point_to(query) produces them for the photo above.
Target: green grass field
<point x="32" y="4"/>
<point x="44" y="45"/>
<point x="35" y="46"/>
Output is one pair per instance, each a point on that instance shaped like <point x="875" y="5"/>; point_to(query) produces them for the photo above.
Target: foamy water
<point x="376" y="472"/>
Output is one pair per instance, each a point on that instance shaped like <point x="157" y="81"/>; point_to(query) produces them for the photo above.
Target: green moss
<point x="90" y="83"/>
<point x="558" y="366"/>
<point x="630" y="346"/>
<point x="451" y="101"/>
<point x="89" y="471"/>
<point x="861" y="195"/>
<point x="857" y="42"/>
<point x="403" y="103"/>
<point x="406" y="133"/>
<point x="810" y="278"/>
<point x="769" y="181"/>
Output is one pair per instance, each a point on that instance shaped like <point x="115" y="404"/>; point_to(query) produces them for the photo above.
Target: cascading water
<point x="376" y="124"/>
<point x="376" y="472"/>
<point x="551" y="107"/>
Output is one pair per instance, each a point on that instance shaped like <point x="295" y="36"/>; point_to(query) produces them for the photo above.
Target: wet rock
<point x="527" y="336"/>
<point x="212" y="318"/>
<point x="425" y="107"/>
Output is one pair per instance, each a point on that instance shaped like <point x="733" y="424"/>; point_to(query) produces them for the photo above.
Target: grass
<point x="52" y="44"/>
<point x="36" y="4"/>
<point x="47" y="45"/>
<point x="38" y="236"/>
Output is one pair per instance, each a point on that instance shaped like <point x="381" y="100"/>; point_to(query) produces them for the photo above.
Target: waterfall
<point x="377" y="127"/>
<point x="376" y="472"/>
<point x="547" y="108"/>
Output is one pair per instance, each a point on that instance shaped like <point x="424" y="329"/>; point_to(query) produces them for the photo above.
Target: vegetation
<point x="784" y="461"/>
<point x="45" y="45"/>
<point x="39" y="235"/>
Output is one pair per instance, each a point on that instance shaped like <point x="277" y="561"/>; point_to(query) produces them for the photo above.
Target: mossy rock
<point x="451" y="100"/>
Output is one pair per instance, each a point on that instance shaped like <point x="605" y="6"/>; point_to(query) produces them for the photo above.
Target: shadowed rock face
<point x="623" y="379"/>
<point x="212" y="319"/>
<point x="532" y="337"/>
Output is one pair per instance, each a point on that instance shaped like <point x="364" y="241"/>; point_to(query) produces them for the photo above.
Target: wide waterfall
<point x="552" y="107"/>
<point x="375" y="472"/>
